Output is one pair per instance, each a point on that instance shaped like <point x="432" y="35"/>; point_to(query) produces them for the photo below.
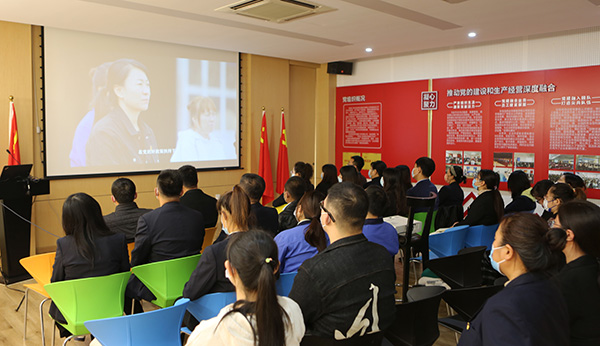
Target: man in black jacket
<point x="265" y="218"/>
<point x="195" y="198"/>
<point x="125" y="217"/>
<point x="293" y="190"/>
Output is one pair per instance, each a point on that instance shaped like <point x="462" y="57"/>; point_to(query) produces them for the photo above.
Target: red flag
<point x="13" y="138"/>
<point x="283" y="167"/>
<point x="264" y="165"/>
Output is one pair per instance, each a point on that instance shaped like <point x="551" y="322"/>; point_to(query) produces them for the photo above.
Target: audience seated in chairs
<point x="126" y="215"/>
<point x="421" y="172"/>
<point x="265" y="218"/>
<point x="195" y="198"/>
<point x="328" y="178"/>
<point x="488" y="207"/>
<point x="294" y="189"/>
<point x="259" y="316"/>
<point x="358" y="162"/>
<point x="375" y="229"/>
<point x="451" y="197"/>
<point x="518" y="183"/>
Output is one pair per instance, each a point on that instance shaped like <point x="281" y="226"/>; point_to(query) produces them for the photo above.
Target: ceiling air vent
<point x="278" y="11"/>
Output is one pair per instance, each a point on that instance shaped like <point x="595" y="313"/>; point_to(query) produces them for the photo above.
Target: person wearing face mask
<point x="293" y="190"/>
<point x="530" y="310"/>
<point x="578" y="236"/>
<point x="557" y="195"/>
<point x="576" y="182"/>
<point x="538" y="191"/>
<point x="349" y="173"/>
<point x="488" y="207"/>
<point x="375" y="173"/>
<point x="423" y="169"/>
<point x="451" y="198"/>
<point x="328" y="178"/>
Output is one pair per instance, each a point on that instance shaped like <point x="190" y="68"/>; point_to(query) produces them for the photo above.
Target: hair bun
<point x="556" y="238"/>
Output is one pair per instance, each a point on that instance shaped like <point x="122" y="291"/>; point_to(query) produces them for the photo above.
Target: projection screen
<point x="116" y="105"/>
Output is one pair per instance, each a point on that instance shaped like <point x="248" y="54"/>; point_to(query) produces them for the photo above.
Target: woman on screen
<point x="200" y="142"/>
<point x="121" y="137"/>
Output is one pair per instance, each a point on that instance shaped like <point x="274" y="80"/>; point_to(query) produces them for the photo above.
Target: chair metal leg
<point x="68" y="339"/>
<point x="42" y="321"/>
<point x="25" y="296"/>
<point x="53" y="332"/>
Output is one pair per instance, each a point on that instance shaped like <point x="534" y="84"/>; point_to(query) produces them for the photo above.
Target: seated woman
<point x="557" y="195"/>
<point x="488" y="208"/>
<point x="530" y="310"/>
<point x="328" y="178"/>
<point x="302" y="242"/>
<point x="396" y="194"/>
<point x="89" y="248"/>
<point x="349" y="173"/>
<point x="538" y="191"/>
<point x="579" y="237"/>
<point x="375" y="229"/>
<point x="518" y="182"/>
<point x="451" y="198"/>
<point x="258" y="317"/>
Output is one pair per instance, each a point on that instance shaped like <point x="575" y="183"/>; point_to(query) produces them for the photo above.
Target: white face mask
<point x="546" y="206"/>
<point x="369" y="174"/>
<point x="414" y="172"/>
<point x="381" y="181"/>
<point x="321" y="175"/>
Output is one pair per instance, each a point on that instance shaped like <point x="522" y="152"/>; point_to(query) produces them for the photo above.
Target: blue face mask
<point x="496" y="265"/>
<point x="475" y="186"/>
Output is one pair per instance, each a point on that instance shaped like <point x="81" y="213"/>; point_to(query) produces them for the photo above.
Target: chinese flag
<point x="264" y="165"/>
<point x="283" y="167"/>
<point x="13" y="138"/>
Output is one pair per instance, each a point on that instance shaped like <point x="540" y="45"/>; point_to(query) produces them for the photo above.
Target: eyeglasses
<point x="322" y="205"/>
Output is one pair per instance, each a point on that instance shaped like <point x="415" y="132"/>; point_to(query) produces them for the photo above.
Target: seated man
<point x="375" y="229"/>
<point x="125" y="217"/>
<point x="168" y="232"/>
<point x="358" y="162"/>
<point x="348" y="288"/>
<point x="265" y="218"/>
<point x="293" y="190"/>
<point x="195" y="198"/>
<point x="424" y="168"/>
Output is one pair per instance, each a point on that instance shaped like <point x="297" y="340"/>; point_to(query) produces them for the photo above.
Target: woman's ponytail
<point x="314" y="234"/>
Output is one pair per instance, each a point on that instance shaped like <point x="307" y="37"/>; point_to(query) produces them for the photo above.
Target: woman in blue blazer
<point x="530" y="310"/>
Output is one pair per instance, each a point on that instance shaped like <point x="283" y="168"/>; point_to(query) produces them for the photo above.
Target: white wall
<point x="568" y="49"/>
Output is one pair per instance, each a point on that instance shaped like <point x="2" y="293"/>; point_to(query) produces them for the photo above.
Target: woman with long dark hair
<point x="518" y="182"/>
<point x="488" y="207"/>
<point x="258" y="317"/>
<point x="578" y="236"/>
<point x="349" y="173"/>
<point x="530" y="310"/>
<point x="89" y="247"/>
<point x="451" y="198"/>
<point x="306" y="239"/>
<point x="328" y="178"/>
<point x="396" y="195"/>
<point x="576" y="182"/>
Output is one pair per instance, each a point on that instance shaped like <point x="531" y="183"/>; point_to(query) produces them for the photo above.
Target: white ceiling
<point x="388" y="26"/>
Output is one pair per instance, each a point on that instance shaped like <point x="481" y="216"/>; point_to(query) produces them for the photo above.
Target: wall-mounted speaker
<point x="339" y="67"/>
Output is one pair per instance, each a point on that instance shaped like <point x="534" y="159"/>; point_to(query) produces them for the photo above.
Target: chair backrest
<point x="468" y="301"/>
<point x="284" y="283"/>
<point x="459" y="271"/>
<point x="422" y="216"/>
<point x="481" y="235"/>
<point x="209" y="305"/>
<point x="416" y="322"/>
<point x="39" y="267"/>
<point x="165" y="279"/>
<point x="87" y="299"/>
<point x="424" y="292"/>
<point x="158" y="327"/>
<point x="449" y="242"/>
<point x="365" y="340"/>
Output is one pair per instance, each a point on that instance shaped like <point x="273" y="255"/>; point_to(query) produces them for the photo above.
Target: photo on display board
<point x="504" y="173"/>
<point x="592" y="180"/>
<point x="561" y="162"/>
<point x="471" y="171"/>
<point x="555" y="175"/>
<point x="454" y="157"/>
<point x="524" y="160"/>
<point x="503" y="160"/>
<point x="588" y="163"/>
<point x="472" y="158"/>
<point x="529" y="173"/>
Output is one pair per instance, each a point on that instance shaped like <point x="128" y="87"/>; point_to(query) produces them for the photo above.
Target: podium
<point x="16" y="191"/>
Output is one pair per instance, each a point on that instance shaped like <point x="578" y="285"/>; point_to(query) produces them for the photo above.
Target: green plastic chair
<point x="165" y="279"/>
<point x="422" y="216"/>
<point x="87" y="299"/>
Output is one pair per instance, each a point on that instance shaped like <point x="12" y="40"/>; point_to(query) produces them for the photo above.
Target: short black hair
<point x="359" y="162"/>
<point x="123" y="190"/>
<point x="170" y="183"/>
<point x="296" y="187"/>
<point x="253" y="185"/>
<point x="540" y="189"/>
<point x="427" y="165"/>
<point x="518" y="181"/>
<point x="189" y="175"/>
<point x="378" y="200"/>
<point x="348" y="204"/>
<point x="379" y="166"/>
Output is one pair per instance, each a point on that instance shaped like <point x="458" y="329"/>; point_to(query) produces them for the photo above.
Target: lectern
<point x="16" y="190"/>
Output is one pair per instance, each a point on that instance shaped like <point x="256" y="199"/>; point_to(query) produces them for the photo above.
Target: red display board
<point x="542" y="122"/>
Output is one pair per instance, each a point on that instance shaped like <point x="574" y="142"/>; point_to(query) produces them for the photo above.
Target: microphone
<point x="13" y="156"/>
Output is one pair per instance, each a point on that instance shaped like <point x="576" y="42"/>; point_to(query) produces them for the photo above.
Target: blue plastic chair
<point x="481" y="235"/>
<point x="284" y="283"/>
<point x="208" y="306"/>
<point x="158" y="327"/>
<point x="449" y="242"/>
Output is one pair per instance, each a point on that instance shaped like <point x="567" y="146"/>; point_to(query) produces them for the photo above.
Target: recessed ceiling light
<point x="472" y="34"/>
<point x="368" y="49"/>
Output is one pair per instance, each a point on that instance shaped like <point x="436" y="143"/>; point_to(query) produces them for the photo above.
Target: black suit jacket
<point x="209" y="275"/>
<point x="286" y="217"/>
<point x="111" y="258"/>
<point x="169" y="232"/>
<point x="265" y="217"/>
<point x="200" y="201"/>
<point x="125" y="219"/>
<point x="481" y="211"/>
